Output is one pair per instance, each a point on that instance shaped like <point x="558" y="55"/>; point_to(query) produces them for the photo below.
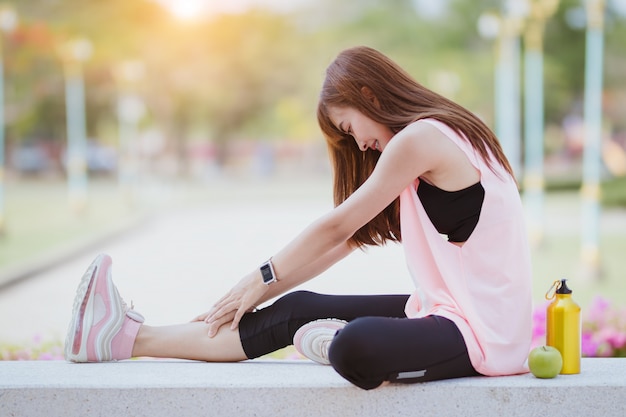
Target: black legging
<point x="378" y="344"/>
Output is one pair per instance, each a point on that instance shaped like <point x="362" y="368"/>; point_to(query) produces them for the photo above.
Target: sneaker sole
<point x="80" y="329"/>
<point x="299" y="339"/>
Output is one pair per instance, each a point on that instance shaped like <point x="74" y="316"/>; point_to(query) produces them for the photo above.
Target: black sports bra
<point x="453" y="213"/>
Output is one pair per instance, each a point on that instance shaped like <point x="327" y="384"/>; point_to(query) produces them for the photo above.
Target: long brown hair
<point x="400" y="101"/>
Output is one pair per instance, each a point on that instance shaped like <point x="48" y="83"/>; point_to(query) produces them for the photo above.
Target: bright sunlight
<point x="186" y="9"/>
<point x="195" y="9"/>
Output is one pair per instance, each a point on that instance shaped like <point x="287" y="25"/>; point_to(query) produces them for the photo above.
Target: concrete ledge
<point x="293" y="388"/>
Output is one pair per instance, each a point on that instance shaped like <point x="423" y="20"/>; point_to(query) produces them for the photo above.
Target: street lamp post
<point x="130" y="110"/>
<point x="508" y="126"/>
<point x="590" y="191"/>
<point x="74" y="53"/>
<point x="8" y="22"/>
<point x="508" y="93"/>
<point x="505" y="29"/>
<point x="539" y="12"/>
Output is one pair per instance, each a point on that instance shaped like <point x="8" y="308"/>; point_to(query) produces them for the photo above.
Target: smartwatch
<point x="267" y="271"/>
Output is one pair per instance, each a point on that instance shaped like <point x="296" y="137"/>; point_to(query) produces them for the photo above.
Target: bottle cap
<point x="563" y="289"/>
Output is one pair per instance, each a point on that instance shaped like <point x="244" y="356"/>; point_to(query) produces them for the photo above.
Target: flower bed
<point x="38" y="349"/>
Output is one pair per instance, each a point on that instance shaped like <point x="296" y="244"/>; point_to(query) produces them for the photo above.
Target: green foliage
<point x="614" y="192"/>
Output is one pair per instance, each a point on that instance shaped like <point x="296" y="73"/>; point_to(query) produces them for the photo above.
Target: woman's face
<point x="367" y="133"/>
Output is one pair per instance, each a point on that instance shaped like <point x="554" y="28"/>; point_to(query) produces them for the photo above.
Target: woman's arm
<point x="408" y="155"/>
<point x="416" y="150"/>
<point x="307" y="271"/>
<point x="251" y="291"/>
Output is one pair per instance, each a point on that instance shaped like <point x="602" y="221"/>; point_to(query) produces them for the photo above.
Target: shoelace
<point x="130" y="312"/>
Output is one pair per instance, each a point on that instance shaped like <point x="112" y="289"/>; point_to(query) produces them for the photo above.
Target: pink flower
<point x="613" y="337"/>
<point x="598" y="312"/>
<point x="23" y="355"/>
<point x="589" y="345"/>
<point x="618" y="341"/>
<point x="539" y="320"/>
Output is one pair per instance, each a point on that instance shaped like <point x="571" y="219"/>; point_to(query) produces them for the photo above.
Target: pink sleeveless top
<point x="484" y="287"/>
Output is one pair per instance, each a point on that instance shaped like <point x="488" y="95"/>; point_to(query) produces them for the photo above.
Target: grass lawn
<point x="38" y="218"/>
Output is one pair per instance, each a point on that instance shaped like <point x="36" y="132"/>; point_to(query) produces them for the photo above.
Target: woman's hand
<point x="242" y="298"/>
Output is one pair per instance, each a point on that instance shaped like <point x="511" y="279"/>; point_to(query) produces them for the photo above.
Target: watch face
<point x="266" y="271"/>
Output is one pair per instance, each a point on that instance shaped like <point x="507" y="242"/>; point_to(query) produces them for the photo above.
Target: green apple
<point x="545" y="362"/>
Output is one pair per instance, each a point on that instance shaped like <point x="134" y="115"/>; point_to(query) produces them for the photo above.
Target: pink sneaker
<point x="102" y="328"/>
<point x="313" y="339"/>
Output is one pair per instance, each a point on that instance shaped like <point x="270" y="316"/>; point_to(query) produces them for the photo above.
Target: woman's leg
<point x="261" y="332"/>
<point x="104" y="328"/>
<point x="273" y="327"/>
<point x="189" y="341"/>
<point x="372" y="350"/>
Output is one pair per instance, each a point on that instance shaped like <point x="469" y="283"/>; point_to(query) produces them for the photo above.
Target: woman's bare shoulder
<point x="424" y="138"/>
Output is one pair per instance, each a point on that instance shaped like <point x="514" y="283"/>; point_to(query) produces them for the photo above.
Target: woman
<point x="411" y="166"/>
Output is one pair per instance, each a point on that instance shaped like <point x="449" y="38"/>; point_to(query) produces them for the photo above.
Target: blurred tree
<point x="34" y="83"/>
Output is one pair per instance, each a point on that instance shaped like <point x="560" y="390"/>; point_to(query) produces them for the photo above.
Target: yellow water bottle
<point x="563" y="326"/>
